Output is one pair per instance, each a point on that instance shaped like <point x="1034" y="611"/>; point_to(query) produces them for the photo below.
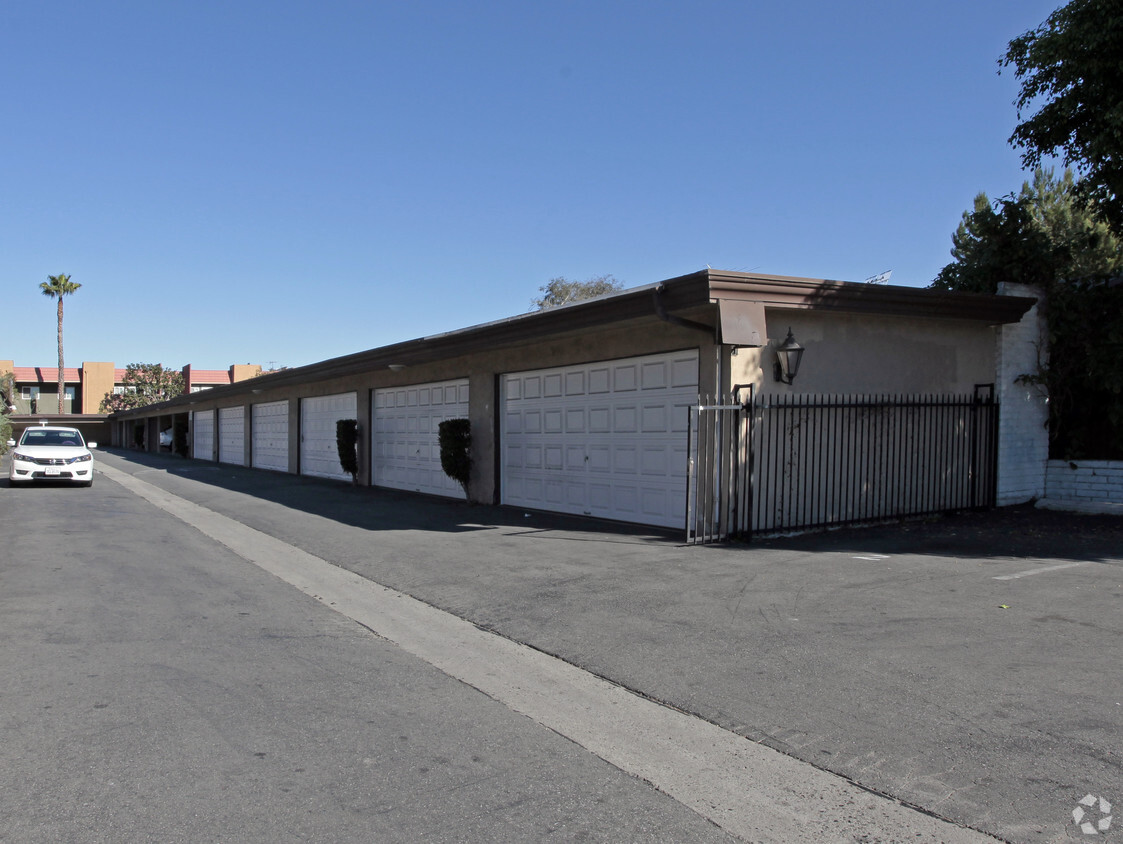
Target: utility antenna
<point x="880" y="278"/>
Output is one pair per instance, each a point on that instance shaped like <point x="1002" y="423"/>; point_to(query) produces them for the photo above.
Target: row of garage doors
<point x="605" y="439"/>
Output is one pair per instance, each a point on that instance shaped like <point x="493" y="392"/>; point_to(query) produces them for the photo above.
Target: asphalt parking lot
<point x="967" y="665"/>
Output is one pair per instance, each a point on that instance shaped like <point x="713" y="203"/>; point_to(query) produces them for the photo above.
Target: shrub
<point x="347" y="442"/>
<point x="455" y="438"/>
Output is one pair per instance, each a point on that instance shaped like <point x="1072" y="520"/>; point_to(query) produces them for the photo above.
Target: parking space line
<point x="1041" y="570"/>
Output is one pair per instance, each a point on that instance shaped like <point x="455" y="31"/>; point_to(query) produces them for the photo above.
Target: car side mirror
<point x="91" y="445"/>
<point x="11" y="443"/>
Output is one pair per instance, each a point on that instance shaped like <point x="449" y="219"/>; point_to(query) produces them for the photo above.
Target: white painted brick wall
<point x="1023" y="435"/>
<point x="1083" y="481"/>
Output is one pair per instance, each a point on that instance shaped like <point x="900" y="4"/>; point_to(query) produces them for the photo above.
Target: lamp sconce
<point x="788" y="356"/>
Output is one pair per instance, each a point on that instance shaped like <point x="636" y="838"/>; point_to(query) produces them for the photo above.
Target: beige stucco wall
<point x="845" y="353"/>
<point x="244" y="371"/>
<point x="861" y="354"/>
<point x="97" y="380"/>
<point x="482" y="370"/>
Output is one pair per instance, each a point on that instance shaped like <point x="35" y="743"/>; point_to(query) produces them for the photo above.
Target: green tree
<point x="561" y="291"/>
<point x="1070" y="72"/>
<point x="1048" y="232"/>
<point x="1049" y="235"/>
<point x="57" y="286"/>
<point x="7" y="387"/>
<point x="144" y="384"/>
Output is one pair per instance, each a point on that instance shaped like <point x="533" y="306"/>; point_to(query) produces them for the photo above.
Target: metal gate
<point x="719" y="467"/>
<point x="807" y="461"/>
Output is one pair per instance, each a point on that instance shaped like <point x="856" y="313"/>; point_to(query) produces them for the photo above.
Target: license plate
<point x="53" y="470"/>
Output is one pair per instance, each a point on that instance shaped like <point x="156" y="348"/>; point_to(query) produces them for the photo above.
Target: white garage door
<point x="605" y="439"/>
<point x="202" y="425"/>
<point x="405" y="453"/>
<point x="318" y="453"/>
<point x="232" y="435"/>
<point x="270" y="431"/>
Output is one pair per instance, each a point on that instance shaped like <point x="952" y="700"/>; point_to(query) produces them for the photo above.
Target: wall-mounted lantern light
<point x="788" y="355"/>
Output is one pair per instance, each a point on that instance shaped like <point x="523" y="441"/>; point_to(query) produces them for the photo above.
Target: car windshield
<point x="33" y="437"/>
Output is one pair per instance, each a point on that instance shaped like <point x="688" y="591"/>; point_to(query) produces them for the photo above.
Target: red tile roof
<point x="43" y="375"/>
<point x="210" y="376"/>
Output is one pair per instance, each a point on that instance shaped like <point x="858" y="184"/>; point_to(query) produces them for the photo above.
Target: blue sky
<point x="283" y="182"/>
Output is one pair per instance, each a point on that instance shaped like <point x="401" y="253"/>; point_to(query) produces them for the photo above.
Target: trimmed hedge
<point x="455" y="438"/>
<point x="347" y="443"/>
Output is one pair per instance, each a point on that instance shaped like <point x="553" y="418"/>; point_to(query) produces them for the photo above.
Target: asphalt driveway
<point x="966" y="665"/>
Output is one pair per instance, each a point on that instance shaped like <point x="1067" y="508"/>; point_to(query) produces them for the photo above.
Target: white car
<point x="51" y="453"/>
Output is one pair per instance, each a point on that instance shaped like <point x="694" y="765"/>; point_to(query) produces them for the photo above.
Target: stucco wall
<point x="482" y="369"/>
<point x="857" y="354"/>
<point x="846" y="353"/>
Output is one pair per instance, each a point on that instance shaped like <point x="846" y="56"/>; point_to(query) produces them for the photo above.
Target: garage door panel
<point x="600" y="458"/>
<point x="655" y="419"/>
<point x="552" y="386"/>
<point x="202" y="424"/>
<point x="684" y="373"/>
<point x="319" y="455"/>
<point x="611" y="446"/>
<point x="654" y="375"/>
<point x="625" y="378"/>
<point x="269" y="433"/>
<point x="624" y="419"/>
<point x="232" y="435"/>
<point x="599" y="380"/>
<point x="655" y="461"/>
<point x="406" y="450"/>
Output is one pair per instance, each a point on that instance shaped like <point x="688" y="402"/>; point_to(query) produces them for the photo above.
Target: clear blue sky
<point x="285" y="182"/>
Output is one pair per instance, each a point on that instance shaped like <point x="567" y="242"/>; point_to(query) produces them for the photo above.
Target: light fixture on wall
<point x="788" y="355"/>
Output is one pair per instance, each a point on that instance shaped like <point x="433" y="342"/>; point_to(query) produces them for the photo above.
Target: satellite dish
<point x="880" y="278"/>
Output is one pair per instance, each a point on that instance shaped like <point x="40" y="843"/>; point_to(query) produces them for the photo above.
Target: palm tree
<point x="59" y="285"/>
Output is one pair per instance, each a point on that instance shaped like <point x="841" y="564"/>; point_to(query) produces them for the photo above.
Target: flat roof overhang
<point x="692" y="300"/>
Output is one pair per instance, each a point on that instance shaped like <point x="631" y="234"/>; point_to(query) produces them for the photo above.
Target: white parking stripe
<point x="1042" y="570"/>
<point x="745" y="788"/>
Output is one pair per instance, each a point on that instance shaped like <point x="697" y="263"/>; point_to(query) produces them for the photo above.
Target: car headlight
<point x="22" y="457"/>
<point x="81" y="458"/>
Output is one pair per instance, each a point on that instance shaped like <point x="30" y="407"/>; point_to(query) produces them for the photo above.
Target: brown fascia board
<point x="689" y="293"/>
<point x="855" y="297"/>
<point x="694" y="295"/>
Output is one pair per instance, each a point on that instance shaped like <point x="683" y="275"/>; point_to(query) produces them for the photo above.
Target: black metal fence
<point x="810" y="461"/>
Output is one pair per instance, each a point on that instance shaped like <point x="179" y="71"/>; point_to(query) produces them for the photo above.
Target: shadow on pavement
<point x="1019" y="531"/>
<point x="377" y="508"/>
